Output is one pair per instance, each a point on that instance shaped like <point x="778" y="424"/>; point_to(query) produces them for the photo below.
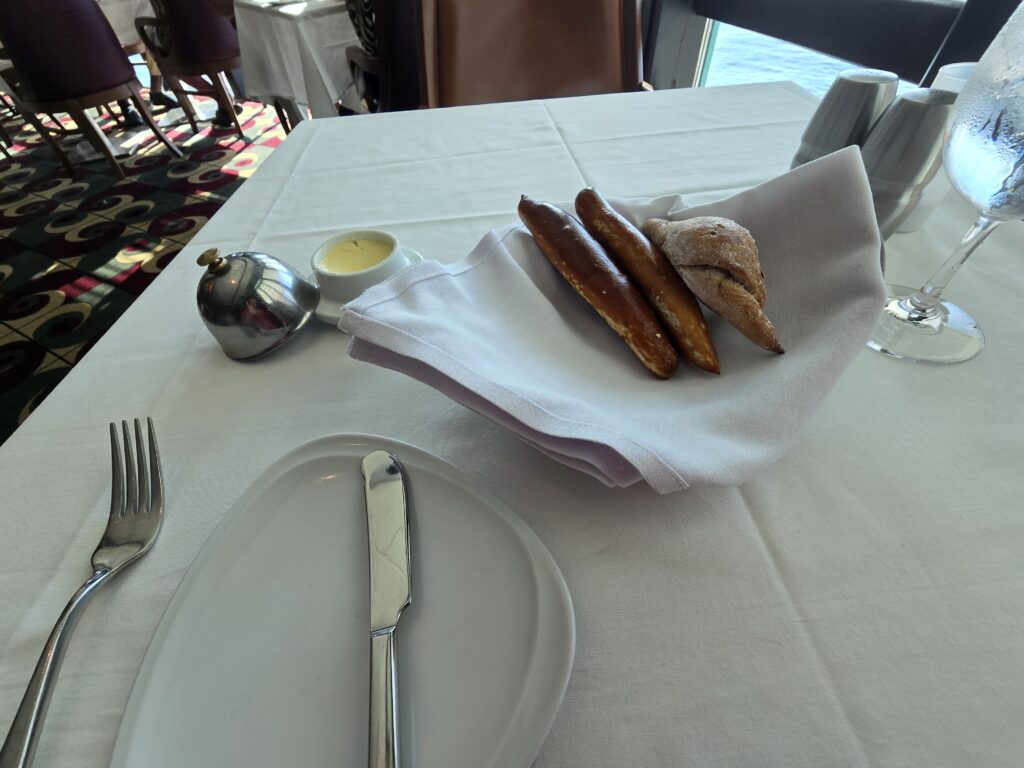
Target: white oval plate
<point x="262" y="657"/>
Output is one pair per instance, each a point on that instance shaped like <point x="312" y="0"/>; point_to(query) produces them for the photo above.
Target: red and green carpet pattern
<point x="76" y="251"/>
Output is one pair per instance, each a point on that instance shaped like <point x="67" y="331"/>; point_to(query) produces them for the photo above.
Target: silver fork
<point x="136" y="509"/>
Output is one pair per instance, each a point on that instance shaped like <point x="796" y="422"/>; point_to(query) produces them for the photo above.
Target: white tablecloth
<point x="296" y="52"/>
<point x="860" y="603"/>
<point x="122" y="14"/>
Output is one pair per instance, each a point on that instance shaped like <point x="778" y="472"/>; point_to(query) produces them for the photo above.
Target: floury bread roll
<point x="717" y="259"/>
<point x="653" y="275"/>
<point x="594" y="276"/>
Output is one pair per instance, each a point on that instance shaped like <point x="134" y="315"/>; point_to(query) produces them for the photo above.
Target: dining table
<point x="859" y="602"/>
<point x="293" y="53"/>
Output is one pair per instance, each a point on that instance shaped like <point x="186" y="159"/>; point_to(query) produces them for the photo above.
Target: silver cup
<point x="903" y="152"/>
<point x="855" y="100"/>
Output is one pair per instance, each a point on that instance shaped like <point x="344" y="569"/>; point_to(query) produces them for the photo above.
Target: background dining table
<point x="858" y="603"/>
<point x="294" y="53"/>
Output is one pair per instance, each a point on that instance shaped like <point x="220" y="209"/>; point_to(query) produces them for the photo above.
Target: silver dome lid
<point x="251" y="302"/>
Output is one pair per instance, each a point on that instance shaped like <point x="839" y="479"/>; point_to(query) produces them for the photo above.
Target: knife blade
<point x="387" y="523"/>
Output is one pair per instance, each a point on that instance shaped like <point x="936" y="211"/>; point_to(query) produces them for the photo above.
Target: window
<point x="739" y="56"/>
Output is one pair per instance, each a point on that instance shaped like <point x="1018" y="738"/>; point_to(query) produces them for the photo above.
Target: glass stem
<point x="925" y="302"/>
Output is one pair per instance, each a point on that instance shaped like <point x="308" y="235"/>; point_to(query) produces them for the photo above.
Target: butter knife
<point x="390" y="592"/>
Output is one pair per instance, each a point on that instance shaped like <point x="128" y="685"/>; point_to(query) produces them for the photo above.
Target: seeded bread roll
<point x="654" y="277"/>
<point x="594" y="276"/>
<point x="717" y="259"/>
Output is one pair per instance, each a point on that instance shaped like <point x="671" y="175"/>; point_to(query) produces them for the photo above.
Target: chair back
<point x="389" y="70"/>
<point x="479" y="51"/>
<point x="199" y="35"/>
<point x="62" y="49"/>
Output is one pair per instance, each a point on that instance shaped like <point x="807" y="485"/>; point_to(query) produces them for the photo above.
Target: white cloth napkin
<point x="502" y="333"/>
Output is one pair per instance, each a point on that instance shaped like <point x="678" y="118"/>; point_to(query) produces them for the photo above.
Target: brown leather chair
<point x="478" y="51"/>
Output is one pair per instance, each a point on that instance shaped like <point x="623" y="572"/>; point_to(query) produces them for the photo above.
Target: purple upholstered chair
<point x="68" y="59"/>
<point x="189" y="39"/>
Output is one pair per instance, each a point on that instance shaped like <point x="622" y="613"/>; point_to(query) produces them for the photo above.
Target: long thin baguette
<point x="594" y="276"/>
<point x="651" y="272"/>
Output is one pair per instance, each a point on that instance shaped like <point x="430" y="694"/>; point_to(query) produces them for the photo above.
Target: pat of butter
<point x="355" y="255"/>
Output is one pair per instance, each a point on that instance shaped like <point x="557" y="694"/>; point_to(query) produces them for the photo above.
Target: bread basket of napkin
<point x="502" y="332"/>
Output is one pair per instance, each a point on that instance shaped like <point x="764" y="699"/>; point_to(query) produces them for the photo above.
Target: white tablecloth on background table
<point x="296" y="52"/>
<point x="122" y="14"/>
<point x="859" y="603"/>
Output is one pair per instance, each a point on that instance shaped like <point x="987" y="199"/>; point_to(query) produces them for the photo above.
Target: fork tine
<point x="140" y="454"/>
<point x="117" y="475"/>
<point x="131" y="488"/>
<point x="157" y="491"/>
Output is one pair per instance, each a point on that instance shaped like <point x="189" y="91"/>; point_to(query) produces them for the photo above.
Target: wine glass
<point x="984" y="158"/>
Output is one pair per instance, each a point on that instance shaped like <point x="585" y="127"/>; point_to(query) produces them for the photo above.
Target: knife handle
<point x="384" y="700"/>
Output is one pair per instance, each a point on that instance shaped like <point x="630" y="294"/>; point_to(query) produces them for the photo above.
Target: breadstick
<point x="594" y="276"/>
<point x="651" y="272"/>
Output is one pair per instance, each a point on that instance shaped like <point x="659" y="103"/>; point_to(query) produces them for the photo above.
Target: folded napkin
<point x="502" y="333"/>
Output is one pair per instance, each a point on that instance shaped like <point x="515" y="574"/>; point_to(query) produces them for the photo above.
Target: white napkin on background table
<point x="502" y="333"/>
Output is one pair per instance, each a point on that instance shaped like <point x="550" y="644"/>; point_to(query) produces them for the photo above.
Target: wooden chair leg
<point x="220" y="83"/>
<point x="5" y="139"/>
<point x="58" y="123"/>
<point x="96" y="137"/>
<point x="148" y="117"/>
<point x="183" y="101"/>
<point x="282" y="117"/>
<point x="35" y="122"/>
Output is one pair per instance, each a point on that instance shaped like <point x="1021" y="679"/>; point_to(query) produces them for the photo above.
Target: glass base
<point x="945" y="335"/>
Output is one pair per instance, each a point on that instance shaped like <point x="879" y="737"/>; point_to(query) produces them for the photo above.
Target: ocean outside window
<point x="739" y="56"/>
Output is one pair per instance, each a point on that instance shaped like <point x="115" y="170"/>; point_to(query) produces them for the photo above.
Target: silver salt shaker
<point x="904" y="151"/>
<point x="855" y="100"/>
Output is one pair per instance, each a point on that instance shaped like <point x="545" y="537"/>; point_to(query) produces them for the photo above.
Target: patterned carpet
<point x="75" y="252"/>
